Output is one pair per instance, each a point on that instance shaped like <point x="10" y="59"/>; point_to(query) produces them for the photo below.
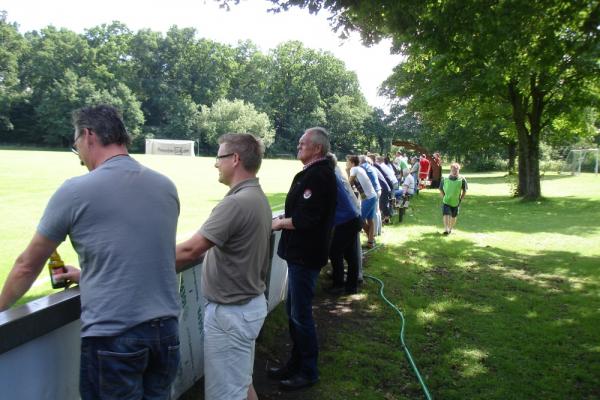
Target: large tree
<point x="234" y="117"/>
<point x="539" y="58"/>
<point x="12" y="47"/>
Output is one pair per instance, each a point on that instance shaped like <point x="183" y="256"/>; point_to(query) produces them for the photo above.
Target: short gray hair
<point x="105" y="121"/>
<point x="249" y="148"/>
<point x="320" y="136"/>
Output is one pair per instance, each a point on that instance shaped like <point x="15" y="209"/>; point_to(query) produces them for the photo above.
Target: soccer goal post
<point x="170" y="147"/>
<point x="578" y="158"/>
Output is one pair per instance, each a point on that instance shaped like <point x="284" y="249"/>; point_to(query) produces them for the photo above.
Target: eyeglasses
<point x="217" y="158"/>
<point x="74" y="147"/>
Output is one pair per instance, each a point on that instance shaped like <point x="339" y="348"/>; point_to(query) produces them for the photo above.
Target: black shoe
<point x="297" y="382"/>
<point x="446" y="233"/>
<point x="279" y="373"/>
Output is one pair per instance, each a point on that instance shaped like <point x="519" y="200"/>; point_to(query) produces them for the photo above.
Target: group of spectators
<point x="121" y="219"/>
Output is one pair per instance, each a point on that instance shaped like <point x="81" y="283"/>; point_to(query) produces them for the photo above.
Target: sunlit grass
<point x="28" y="179"/>
<point x="506" y="307"/>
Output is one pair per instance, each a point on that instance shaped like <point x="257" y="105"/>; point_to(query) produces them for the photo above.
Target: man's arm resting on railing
<point x="26" y="269"/>
<point x="191" y="252"/>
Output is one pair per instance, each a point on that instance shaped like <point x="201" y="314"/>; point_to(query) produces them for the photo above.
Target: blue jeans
<point x="302" y="282"/>
<point x="140" y="363"/>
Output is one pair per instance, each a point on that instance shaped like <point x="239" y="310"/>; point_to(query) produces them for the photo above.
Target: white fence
<point x="39" y="341"/>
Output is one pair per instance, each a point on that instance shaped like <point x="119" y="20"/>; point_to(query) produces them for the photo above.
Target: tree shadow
<point x="494" y="180"/>
<point x="480" y="315"/>
<point x="567" y="215"/>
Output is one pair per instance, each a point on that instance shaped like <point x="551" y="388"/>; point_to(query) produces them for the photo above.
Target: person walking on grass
<point x="453" y="190"/>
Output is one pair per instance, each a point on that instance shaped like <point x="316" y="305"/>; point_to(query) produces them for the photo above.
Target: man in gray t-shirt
<point x="121" y="219"/>
<point x="235" y="238"/>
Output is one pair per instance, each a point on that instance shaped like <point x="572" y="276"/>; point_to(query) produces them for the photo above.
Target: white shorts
<point x="230" y="332"/>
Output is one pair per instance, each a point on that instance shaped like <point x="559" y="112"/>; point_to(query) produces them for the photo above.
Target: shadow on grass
<point x="484" y="214"/>
<point x="489" y="323"/>
<point x="494" y="180"/>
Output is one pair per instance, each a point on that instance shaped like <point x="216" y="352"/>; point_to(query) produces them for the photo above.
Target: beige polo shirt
<point x="235" y="268"/>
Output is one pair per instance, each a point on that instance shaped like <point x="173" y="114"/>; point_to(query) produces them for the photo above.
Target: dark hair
<point x="249" y="148"/>
<point x="105" y="121"/>
<point x="321" y="137"/>
<point x="353" y="159"/>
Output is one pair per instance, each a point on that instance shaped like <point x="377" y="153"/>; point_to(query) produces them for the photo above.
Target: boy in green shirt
<point x="453" y="190"/>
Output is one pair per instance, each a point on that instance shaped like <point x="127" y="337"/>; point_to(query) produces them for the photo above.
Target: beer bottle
<point x="56" y="266"/>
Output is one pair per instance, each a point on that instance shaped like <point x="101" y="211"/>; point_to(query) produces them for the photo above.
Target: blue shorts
<point x="449" y="210"/>
<point x="368" y="208"/>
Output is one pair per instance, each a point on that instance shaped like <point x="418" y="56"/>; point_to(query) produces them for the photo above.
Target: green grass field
<point x="28" y="179"/>
<point x="507" y="307"/>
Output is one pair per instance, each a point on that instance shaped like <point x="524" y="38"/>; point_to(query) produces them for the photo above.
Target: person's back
<point x="123" y="225"/>
<point x="121" y="219"/>
<point x="364" y="181"/>
<point x="408" y="185"/>
<point x="389" y="174"/>
<point x="423" y="168"/>
<point x="372" y="175"/>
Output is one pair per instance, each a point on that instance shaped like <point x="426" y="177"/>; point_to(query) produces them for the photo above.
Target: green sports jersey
<point x="452" y="189"/>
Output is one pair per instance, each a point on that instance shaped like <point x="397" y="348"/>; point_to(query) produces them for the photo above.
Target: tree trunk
<point x="512" y="155"/>
<point x="528" y="132"/>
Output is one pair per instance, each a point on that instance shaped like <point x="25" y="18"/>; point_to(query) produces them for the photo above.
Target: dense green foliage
<point x="174" y="85"/>
<point x="510" y="71"/>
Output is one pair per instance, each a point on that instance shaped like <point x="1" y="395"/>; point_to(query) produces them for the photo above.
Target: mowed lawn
<point x="28" y="179"/>
<point x="507" y="307"/>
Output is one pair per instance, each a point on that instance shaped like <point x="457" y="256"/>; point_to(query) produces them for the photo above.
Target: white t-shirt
<point x="364" y="181"/>
<point x="410" y="182"/>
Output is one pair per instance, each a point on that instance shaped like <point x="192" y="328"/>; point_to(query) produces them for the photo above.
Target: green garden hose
<point x="404" y="346"/>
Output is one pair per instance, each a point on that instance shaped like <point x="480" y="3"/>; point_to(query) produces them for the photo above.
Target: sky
<point x="247" y="20"/>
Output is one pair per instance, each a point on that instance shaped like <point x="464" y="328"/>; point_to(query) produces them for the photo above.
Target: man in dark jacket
<point x="304" y="244"/>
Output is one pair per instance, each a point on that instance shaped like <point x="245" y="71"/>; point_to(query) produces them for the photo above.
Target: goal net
<point x="581" y="160"/>
<point x="170" y="147"/>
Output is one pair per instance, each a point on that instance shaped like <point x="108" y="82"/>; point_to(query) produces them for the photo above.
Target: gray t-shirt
<point x="121" y="219"/>
<point x="235" y="268"/>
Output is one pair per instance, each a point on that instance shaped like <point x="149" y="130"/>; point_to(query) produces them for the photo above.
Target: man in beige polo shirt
<point x="235" y="241"/>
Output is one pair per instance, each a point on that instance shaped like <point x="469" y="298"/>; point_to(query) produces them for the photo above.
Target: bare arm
<point x="26" y="269"/>
<point x="191" y="251"/>
<point x="282" y="223"/>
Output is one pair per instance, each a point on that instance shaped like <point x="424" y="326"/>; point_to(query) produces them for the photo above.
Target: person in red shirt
<point x="423" y="168"/>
